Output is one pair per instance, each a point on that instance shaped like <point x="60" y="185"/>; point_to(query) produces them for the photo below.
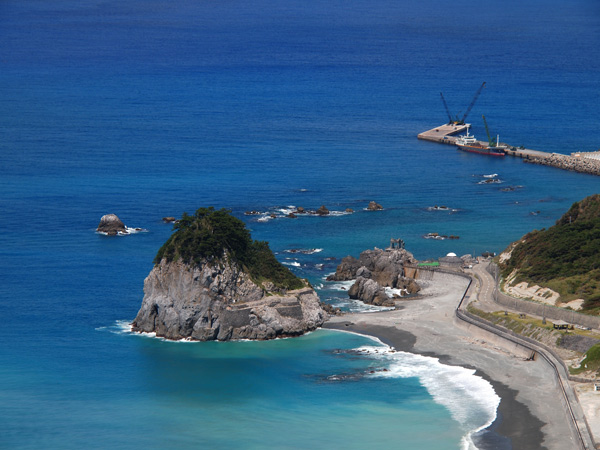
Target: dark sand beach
<point x="530" y="414"/>
<point x="514" y="428"/>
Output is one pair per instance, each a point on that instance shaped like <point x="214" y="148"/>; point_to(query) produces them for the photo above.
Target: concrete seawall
<point x="522" y="345"/>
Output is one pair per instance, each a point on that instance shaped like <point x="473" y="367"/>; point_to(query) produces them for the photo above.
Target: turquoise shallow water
<point x="150" y="109"/>
<point x="284" y="394"/>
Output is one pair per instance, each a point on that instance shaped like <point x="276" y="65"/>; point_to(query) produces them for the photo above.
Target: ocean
<point x="147" y="109"/>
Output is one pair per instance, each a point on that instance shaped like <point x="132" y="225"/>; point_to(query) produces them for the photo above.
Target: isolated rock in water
<point x="375" y="270"/>
<point x="169" y="219"/>
<point x="111" y="225"/>
<point x="322" y="211"/>
<point x="211" y="281"/>
<point x="373" y="206"/>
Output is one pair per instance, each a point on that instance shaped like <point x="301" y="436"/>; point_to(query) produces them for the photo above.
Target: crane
<point x="456" y="120"/>
<point x="450" y="119"/>
<point x="464" y="117"/>
<point x="492" y="143"/>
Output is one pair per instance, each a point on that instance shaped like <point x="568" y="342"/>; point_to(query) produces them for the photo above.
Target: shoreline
<point x="514" y="425"/>
<point x="530" y="414"/>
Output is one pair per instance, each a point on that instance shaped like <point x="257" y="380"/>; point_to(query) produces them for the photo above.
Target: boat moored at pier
<point x="468" y="143"/>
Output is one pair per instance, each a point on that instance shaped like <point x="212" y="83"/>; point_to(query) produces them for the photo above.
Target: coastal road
<point x="485" y="287"/>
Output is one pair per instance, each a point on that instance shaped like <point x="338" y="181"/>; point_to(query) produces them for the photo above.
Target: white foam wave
<point x="292" y="263"/>
<point x="124" y="327"/>
<point x="357" y="306"/>
<point x="286" y="210"/>
<point x="339" y="213"/>
<point x="341" y="285"/>
<point x="119" y="327"/>
<point x="304" y="251"/>
<point x="491" y="175"/>
<point x="134" y="230"/>
<point x="127" y="231"/>
<point x="491" y="181"/>
<point x="391" y="292"/>
<point x="442" y="208"/>
<point x="471" y="400"/>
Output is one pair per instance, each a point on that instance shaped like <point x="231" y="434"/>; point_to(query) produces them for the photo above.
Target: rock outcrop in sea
<point x="111" y="225"/>
<point x="211" y="281"/>
<point x="374" y="206"/>
<point x="376" y="270"/>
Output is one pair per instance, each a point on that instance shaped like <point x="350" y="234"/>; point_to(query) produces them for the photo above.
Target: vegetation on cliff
<point x="591" y="362"/>
<point x="209" y="234"/>
<point x="565" y="257"/>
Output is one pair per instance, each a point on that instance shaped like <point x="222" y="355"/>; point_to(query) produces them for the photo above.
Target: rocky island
<point x="212" y="281"/>
<point x="111" y="225"/>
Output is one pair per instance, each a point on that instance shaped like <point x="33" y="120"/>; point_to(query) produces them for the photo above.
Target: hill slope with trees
<point x="564" y="257"/>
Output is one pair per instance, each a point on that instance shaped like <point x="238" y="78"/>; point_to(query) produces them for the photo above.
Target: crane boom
<point x="447" y="110"/>
<point x="492" y="144"/>
<point x="464" y="117"/>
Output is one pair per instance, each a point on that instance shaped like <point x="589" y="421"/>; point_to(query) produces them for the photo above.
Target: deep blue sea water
<point x="149" y="109"/>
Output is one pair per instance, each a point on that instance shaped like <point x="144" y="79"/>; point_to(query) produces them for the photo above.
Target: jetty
<point x="444" y="134"/>
<point x="582" y="162"/>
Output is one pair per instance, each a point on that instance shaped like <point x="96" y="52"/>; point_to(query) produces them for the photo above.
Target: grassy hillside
<point x="565" y="257"/>
<point x="210" y="233"/>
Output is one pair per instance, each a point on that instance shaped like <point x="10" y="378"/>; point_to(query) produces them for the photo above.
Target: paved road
<point x="483" y="293"/>
<point x="485" y="287"/>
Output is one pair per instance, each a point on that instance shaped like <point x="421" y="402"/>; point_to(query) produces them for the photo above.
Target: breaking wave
<point x="471" y="400"/>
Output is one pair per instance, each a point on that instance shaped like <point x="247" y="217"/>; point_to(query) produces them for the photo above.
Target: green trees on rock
<point x="211" y="235"/>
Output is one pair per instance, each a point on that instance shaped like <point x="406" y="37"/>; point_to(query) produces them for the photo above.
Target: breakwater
<point x="567" y="162"/>
<point x="576" y="162"/>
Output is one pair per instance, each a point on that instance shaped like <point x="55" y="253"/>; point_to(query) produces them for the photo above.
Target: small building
<point x="560" y="325"/>
<point x="451" y="260"/>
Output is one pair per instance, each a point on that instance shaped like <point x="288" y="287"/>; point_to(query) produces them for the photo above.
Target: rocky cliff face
<point x="375" y="270"/>
<point x="221" y="302"/>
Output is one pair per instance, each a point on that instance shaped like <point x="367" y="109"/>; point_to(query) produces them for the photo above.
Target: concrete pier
<point x="588" y="162"/>
<point x="444" y="134"/>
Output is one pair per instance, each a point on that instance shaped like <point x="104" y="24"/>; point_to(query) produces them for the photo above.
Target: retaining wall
<point x="578" y="421"/>
<point x="542" y="310"/>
